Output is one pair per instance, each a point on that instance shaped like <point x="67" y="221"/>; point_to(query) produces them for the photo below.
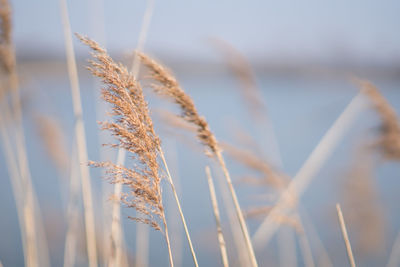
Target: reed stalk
<point x="179" y="208"/>
<point x="15" y="180"/>
<point x="80" y="139"/>
<point x="33" y="229"/>
<point x="324" y="259"/>
<point x="309" y="169"/>
<point x="242" y="255"/>
<point x="238" y="210"/>
<point x="72" y="211"/>
<point x="345" y="236"/>
<point x="221" y="239"/>
<point x="287" y="247"/>
<point x="305" y="247"/>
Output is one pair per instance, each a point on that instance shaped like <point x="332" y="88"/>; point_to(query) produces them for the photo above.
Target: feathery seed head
<point x="389" y="140"/>
<point x="166" y="85"/>
<point x="133" y="128"/>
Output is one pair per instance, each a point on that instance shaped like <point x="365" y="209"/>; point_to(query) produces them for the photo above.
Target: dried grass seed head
<point x="133" y="128"/>
<point x="389" y="139"/>
<point x="166" y="85"/>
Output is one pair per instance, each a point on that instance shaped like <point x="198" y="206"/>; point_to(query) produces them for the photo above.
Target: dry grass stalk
<point x="166" y="85"/>
<point x="221" y="239"/>
<point x="287" y="250"/>
<point x="133" y="128"/>
<point x="173" y="214"/>
<point x="15" y="180"/>
<point x="179" y="207"/>
<point x="80" y="139"/>
<point x="241" y="252"/>
<point x="304" y="243"/>
<point x="307" y="172"/>
<point x="36" y="247"/>
<point x="389" y="140"/>
<point x="345" y="236"/>
<point x="322" y="256"/>
<point x="72" y="211"/>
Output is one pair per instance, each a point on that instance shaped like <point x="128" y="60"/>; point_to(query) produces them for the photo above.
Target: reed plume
<point x="133" y="128"/>
<point x="389" y="139"/>
<point x="242" y="70"/>
<point x="169" y="87"/>
<point x="6" y="58"/>
<point x="166" y="85"/>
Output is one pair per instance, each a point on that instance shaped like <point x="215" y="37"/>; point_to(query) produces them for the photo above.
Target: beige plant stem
<point x="179" y="208"/>
<point x="221" y="239"/>
<point x="305" y="247"/>
<point x="238" y="210"/>
<point x="116" y="227"/>
<point x="173" y="213"/>
<point x="80" y="140"/>
<point x="324" y="259"/>
<point x="345" y="236"/>
<point x="72" y="211"/>
<point x="17" y="187"/>
<point x="34" y="236"/>
<point x="33" y="225"/>
<point x="287" y="249"/>
<point x="242" y="255"/>
<point x="171" y="261"/>
<point x="307" y="172"/>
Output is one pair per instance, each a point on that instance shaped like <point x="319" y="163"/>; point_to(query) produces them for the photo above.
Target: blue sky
<point x="364" y="29"/>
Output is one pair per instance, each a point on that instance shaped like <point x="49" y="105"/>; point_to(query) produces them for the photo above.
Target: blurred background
<point x="303" y="55"/>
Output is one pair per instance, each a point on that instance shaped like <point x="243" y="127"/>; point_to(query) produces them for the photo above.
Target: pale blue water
<point x="301" y="110"/>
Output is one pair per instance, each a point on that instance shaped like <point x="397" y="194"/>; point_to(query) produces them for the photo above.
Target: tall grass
<point x="33" y="233"/>
<point x="141" y="169"/>
<point x="80" y="136"/>
<point x="345" y="236"/>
